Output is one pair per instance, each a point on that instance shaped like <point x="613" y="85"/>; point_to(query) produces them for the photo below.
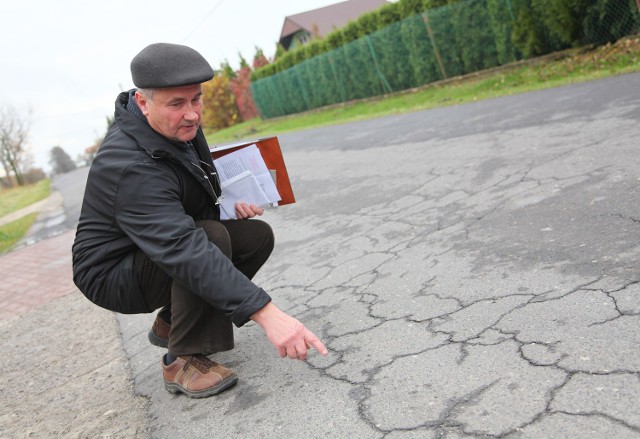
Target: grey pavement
<point x="473" y="271"/>
<point x="60" y="211"/>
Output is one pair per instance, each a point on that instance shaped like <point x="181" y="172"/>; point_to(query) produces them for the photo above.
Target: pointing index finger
<point x="311" y="339"/>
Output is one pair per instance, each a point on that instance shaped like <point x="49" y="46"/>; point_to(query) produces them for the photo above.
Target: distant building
<point x="300" y="28"/>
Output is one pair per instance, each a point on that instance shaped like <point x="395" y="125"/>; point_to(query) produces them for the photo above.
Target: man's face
<point x="174" y="112"/>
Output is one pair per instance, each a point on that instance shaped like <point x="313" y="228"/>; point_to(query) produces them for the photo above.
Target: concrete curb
<point x="50" y="204"/>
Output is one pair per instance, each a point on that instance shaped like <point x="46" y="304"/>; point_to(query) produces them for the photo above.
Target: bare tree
<point x="14" y="132"/>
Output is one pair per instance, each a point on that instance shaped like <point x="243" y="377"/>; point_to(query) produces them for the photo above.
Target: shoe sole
<point x="224" y="385"/>
<point x="158" y="341"/>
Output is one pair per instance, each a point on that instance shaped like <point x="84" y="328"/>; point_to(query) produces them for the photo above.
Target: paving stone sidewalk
<point x="64" y="372"/>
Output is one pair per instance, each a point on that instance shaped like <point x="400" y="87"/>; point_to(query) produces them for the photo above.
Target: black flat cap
<point x="163" y="65"/>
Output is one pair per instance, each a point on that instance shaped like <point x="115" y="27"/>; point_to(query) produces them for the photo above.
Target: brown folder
<point x="269" y="148"/>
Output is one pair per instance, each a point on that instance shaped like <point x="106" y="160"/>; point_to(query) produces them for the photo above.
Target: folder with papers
<point x="253" y="172"/>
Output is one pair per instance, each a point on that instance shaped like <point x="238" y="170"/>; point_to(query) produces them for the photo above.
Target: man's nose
<point x="191" y="113"/>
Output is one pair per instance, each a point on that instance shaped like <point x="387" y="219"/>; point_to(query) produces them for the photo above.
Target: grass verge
<point x="15" y="199"/>
<point x="14" y="231"/>
<point x="572" y="66"/>
<point x="22" y="196"/>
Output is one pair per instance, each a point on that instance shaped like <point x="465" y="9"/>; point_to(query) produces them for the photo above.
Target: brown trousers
<point x="197" y="327"/>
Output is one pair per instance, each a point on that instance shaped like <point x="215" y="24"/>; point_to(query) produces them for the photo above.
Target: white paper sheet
<point x="233" y="170"/>
<point x="243" y="187"/>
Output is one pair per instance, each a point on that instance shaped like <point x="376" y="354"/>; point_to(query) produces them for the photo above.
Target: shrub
<point x="240" y="88"/>
<point x="220" y="109"/>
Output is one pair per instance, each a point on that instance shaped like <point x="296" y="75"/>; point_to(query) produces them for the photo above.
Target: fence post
<point x="513" y="17"/>
<point x="425" y="18"/>
<point x="303" y="90"/>
<point x="275" y="89"/>
<point x="339" y="83"/>
<point x="383" y="80"/>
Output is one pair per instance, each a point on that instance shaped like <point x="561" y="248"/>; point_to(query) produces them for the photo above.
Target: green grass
<point x="578" y="65"/>
<point x="15" y="199"/>
<point x="14" y="231"/>
<point x="22" y="196"/>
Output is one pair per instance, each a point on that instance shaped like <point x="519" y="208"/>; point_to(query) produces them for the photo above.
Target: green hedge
<point x="414" y="42"/>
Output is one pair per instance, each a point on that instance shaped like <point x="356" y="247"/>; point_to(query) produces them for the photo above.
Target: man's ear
<point x="142" y="103"/>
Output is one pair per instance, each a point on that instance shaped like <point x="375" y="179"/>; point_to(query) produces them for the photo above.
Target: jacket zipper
<point x="218" y="199"/>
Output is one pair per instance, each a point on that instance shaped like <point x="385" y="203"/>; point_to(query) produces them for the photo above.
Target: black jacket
<point x="143" y="192"/>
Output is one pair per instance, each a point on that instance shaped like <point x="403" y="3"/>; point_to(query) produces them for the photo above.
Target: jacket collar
<point x="159" y="147"/>
<point x="137" y="127"/>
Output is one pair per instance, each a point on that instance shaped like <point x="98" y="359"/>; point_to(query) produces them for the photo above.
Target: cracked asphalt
<point x="473" y="271"/>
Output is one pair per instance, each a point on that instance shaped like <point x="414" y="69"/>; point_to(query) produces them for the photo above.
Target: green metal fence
<point x="440" y="43"/>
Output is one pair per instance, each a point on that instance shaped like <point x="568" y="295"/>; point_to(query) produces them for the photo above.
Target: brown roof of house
<point x="320" y="22"/>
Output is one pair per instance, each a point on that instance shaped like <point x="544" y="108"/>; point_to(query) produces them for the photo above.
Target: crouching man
<point x="150" y="235"/>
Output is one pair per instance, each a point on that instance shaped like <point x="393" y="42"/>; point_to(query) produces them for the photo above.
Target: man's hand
<point x="245" y="211"/>
<point x="289" y="336"/>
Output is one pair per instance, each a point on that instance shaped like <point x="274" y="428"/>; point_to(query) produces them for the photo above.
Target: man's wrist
<point x="263" y="314"/>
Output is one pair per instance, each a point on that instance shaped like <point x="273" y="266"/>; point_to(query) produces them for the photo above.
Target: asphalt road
<point x="472" y="269"/>
<point x="59" y="218"/>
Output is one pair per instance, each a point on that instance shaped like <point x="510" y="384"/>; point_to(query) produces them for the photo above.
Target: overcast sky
<point x="66" y="60"/>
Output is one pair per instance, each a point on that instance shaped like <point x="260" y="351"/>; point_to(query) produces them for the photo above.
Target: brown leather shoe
<point x="197" y="376"/>
<point x="159" y="334"/>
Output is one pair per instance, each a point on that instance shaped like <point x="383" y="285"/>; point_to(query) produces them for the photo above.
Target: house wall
<point x="299" y="39"/>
